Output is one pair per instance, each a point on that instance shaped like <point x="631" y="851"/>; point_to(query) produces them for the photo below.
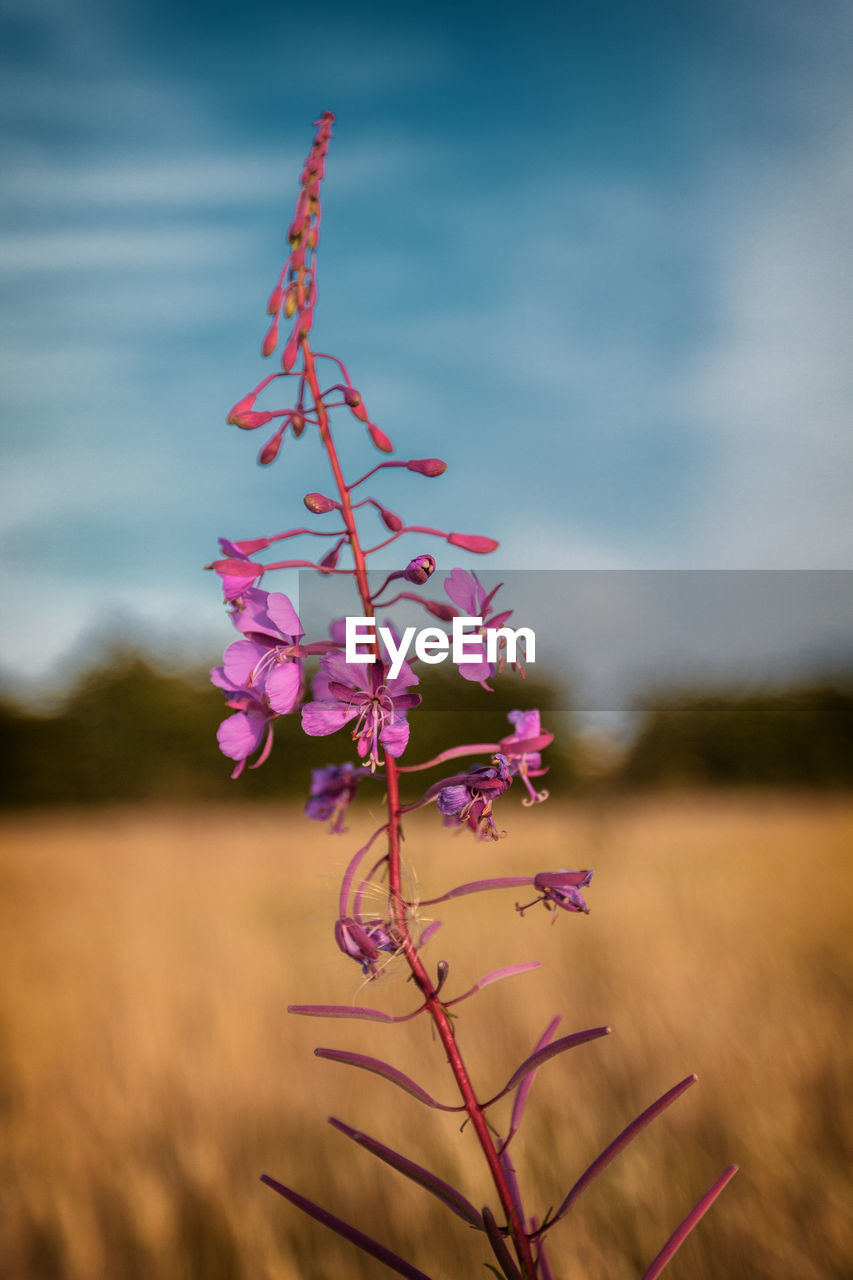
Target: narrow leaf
<point x="449" y="1195"/>
<point x="542" y="1055"/>
<point x="499" y="1248"/>
<point x="340" y="1011"/>
<point x="525" y="1086"/>
<point x="380" y="1068"/>
<point x="356" y="1237"/>
<point x="618" y="1144"/>
<point x="683" y="1231"/>
<point x="497" y="975"/>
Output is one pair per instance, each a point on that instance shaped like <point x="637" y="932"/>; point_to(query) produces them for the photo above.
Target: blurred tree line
<point x="132" y="731"/>
<point x="793" y="737"/>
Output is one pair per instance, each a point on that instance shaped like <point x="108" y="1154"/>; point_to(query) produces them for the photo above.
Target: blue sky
<point x="597" y="257"/>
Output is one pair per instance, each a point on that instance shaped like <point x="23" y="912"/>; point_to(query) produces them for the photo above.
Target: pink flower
<point x="359" y="691"/>
<point x="267" y="662"/>
<point x="243" y="733"/>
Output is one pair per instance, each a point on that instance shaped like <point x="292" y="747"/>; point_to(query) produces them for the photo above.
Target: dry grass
<point x="149" y="1073"/>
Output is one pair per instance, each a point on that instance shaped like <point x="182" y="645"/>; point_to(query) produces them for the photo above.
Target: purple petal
<point x="320" y="718"/>
<point x="394" y="737"/>
<point x="404" y="679"/>
<point x="380" y="1068"/>
<point x="283" y="614"/>
<point x="356" y="1237"/>
<point x="240" y="735"/>
<point x="453" y="800"/>
<point x="240" y="660"/>
<point x="346" y="693"/>
<point x="282" y="686"/>
<point x="618" y="1144"/>
<point x="526" y="723"/>
<point x="219" y="678"/>
<point x="354" y="674"/>
<point x="683" y="1230"/>
<point x="476" y="671"/>
<point x="454" y="1199"/>
<point x="465" y="592"/>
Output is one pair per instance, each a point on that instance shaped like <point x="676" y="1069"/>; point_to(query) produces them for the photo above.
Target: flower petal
<point x="320" y="718"/>
<point x="282" y="686"/>
<point x="394" y="737"/>
<point x="240" y="735"/>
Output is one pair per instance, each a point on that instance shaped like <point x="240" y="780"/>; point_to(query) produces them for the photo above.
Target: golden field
<point x="149" y="1072"/>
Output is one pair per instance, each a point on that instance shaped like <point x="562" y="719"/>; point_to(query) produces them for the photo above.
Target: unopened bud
<point x="427" y="466"/>
<point x="313" y="238"/>
<point x="288" y="356"/>
<point x="270" y="341"/>
<point x="269" y="453"/>
<point x="473" y="542"/>
<point x="445" y="612"/>
<point x="319" y="503"/>
<point x="251" y="420"/>
<point x="379" y="438"/>
<point x="419" y="570"/>
<point x="290" y="302"/>
<point x="274" y="304"/>
<point x="306" y="319"/>
<point x="330" y="560"/>
<point x="356" y="404"/>
<point x="297" y="424"/>
<point x="390" y="520"/>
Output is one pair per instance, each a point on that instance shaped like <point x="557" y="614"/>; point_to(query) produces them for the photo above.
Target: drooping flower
<point x="467" y="798"/>
<point x="365" y="940"/>
<point x="521" y="749"/>
<point x="333" y="789"/>
<point x="267" y="662"/>
<point x="560" y="889"/>
<point x="362" y="692"/>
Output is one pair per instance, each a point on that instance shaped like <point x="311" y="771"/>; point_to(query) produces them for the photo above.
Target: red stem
<point x="436" y="1009"/>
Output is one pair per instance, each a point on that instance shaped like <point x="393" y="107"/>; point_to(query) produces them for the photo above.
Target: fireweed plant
<point x="263" y="679"/>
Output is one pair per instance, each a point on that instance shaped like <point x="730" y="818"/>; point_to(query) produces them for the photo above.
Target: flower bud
<point x="319" y="503"/>
<point x="473" y="542"/>
<point x="330" y="560"/>
<point x="306" y="319"/>
<point x="269" y="453"/>
<point x="390" y="520"/>
<point x="288" y="357"/>
<point x="380" y="439"/>
<point x="313" y="237"/>
<point x="297" y="424"/>
<point x="290" y="302"/>
<point x="419" y="570"/>
<point x="270" y="341"/>
<point x="427" y="466"/>
<point x="249" y="421"/>
<point x="445" y="612"/>
<point x="274" y="304"/>
<point x="356" y="404"/>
